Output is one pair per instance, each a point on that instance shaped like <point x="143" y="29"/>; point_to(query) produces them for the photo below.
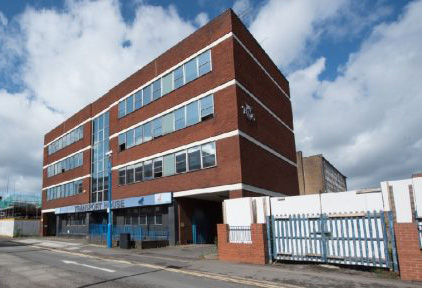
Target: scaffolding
<point x="23" y="206"/>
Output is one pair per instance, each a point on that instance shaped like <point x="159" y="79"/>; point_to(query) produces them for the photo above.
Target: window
<point x="158" y="167"/>
<point x="157" y="128"/>
<point x="179" y="118"/>
<point x="143" y="218"/>
<point x="158" y="219"/>
<point x="122" y="141"/>
<point x="178" y="77"/>
<point x="167" y="123"/>
<point x="156" y="89"/>
<point x="122" y="176"/>
<point x="79" y="187"/>
<point x="181" y="162"/>
<point x="167" y="83"/>
<point x="192" y="115"/>
<point x="148" y="170"/>
<point x="129" y="104"/>
<point x="169" y="165"/>
<point x="194" y="158"/>
<point x="207" y="107"/>
<point x="130" y="175"/>
<point x="147" y="132"/>
<point x="138" y="99"/>
<point x="100" y="181"/>
<point x="204" y="63"/>
<point x="138" y="172"/>
<point x="130" y="138"/>
<point x="208" y="155"/>
<point x="191" y="72"/>
<point x="138" y="135"/>
<point x="146" y="95"/>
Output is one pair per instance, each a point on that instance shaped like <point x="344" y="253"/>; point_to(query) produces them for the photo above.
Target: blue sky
<point x="352" y="67"/>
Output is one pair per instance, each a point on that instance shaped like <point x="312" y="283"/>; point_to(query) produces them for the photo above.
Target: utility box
<point x="125" y="241"/>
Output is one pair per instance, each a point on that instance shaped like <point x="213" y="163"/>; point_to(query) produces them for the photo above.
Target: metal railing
<point x="98" y="232"/>
<point x="240" y="234"/>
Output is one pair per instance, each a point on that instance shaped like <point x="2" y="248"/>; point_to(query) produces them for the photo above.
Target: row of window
<point x="187" y="115"/>
<point x="75" y="219"/>
<point x="65" y="165"/>
<point x="180" y="76"/>
<point x="66" y="140"/>
<point x="198" y="157"/>
<point x="64" y="190"/>
<point x="141" y="216"/>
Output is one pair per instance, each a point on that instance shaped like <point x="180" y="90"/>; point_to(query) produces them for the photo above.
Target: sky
<point x="354" y="69"/>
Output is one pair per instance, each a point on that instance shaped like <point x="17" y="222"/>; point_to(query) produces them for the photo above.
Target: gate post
<point x="270" y="236"/>
<point x="323" y="238"/>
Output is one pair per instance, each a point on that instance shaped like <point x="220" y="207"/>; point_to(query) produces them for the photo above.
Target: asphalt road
<point x="27" y="266"/>
<point x="40" y="262"/>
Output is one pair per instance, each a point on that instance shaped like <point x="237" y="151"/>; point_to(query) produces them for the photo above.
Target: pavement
<point x="40" y="262"/>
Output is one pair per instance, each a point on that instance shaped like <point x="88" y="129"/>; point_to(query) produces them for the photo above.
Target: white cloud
<point x="202" y="19"/>
<point x="70" y="58"/>
<point x="367" y="120"/>
<point x="285" y="29"/>
<point x="243" y="9"/>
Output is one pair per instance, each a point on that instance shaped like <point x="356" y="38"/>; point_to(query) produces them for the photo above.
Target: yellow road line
<point x="195" y="273"/>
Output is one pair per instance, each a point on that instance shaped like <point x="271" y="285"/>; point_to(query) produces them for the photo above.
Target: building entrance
<point x="198" y="220"/>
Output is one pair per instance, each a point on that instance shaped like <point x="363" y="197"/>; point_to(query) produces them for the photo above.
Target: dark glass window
<point x="181" y="162"/>
<point x="148" y="170"/>
<point x="130" y="175"/>
<point x="122" y="176"/>
<point x="158" y="167"/>
<point x="208" y="155"/>
<point x="194" y="158"/>
<point x="139" y="172"/>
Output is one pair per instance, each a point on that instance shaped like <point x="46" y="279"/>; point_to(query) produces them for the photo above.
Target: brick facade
<point x="253" y="253"/>
<point x="408" y="250"/>
<point x="239" y="161"/>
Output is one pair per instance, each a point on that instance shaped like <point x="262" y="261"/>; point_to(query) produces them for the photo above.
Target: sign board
<point x="149" y="200"/>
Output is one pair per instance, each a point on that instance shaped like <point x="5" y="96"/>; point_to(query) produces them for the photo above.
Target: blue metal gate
<point x="358" y="239"/>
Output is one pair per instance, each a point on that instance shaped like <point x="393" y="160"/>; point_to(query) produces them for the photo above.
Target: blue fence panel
<point x="98" y="232"/>
<point x="359" y="239"/>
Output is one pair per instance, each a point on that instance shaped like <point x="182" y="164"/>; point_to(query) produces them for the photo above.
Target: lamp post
<point x="110" y="215"/>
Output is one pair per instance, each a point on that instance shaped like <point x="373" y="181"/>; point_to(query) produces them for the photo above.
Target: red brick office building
<point x="209" y="119"/>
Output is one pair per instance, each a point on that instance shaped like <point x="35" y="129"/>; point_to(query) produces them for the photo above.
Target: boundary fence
<point x="365" y="239"/>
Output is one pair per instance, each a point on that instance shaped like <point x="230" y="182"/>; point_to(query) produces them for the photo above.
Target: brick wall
<point x="254" y="253"/>
<point x="408" y="250"/>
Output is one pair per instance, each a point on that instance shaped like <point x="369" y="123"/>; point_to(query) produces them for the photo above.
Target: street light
<point x="110" y="215"/>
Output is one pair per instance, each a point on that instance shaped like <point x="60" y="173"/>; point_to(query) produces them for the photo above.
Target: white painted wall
<point x="401" y="199"/>
<point x="329" y="203"/>
<point x="417" y="189"/>
<point x="7" y="227"/>
<point x="238" y="212"/>
<point x="13" y="227"/>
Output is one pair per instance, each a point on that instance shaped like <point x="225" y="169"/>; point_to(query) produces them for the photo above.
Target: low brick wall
<point x="253" y="253"/>
<point x="408" y="251"/>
